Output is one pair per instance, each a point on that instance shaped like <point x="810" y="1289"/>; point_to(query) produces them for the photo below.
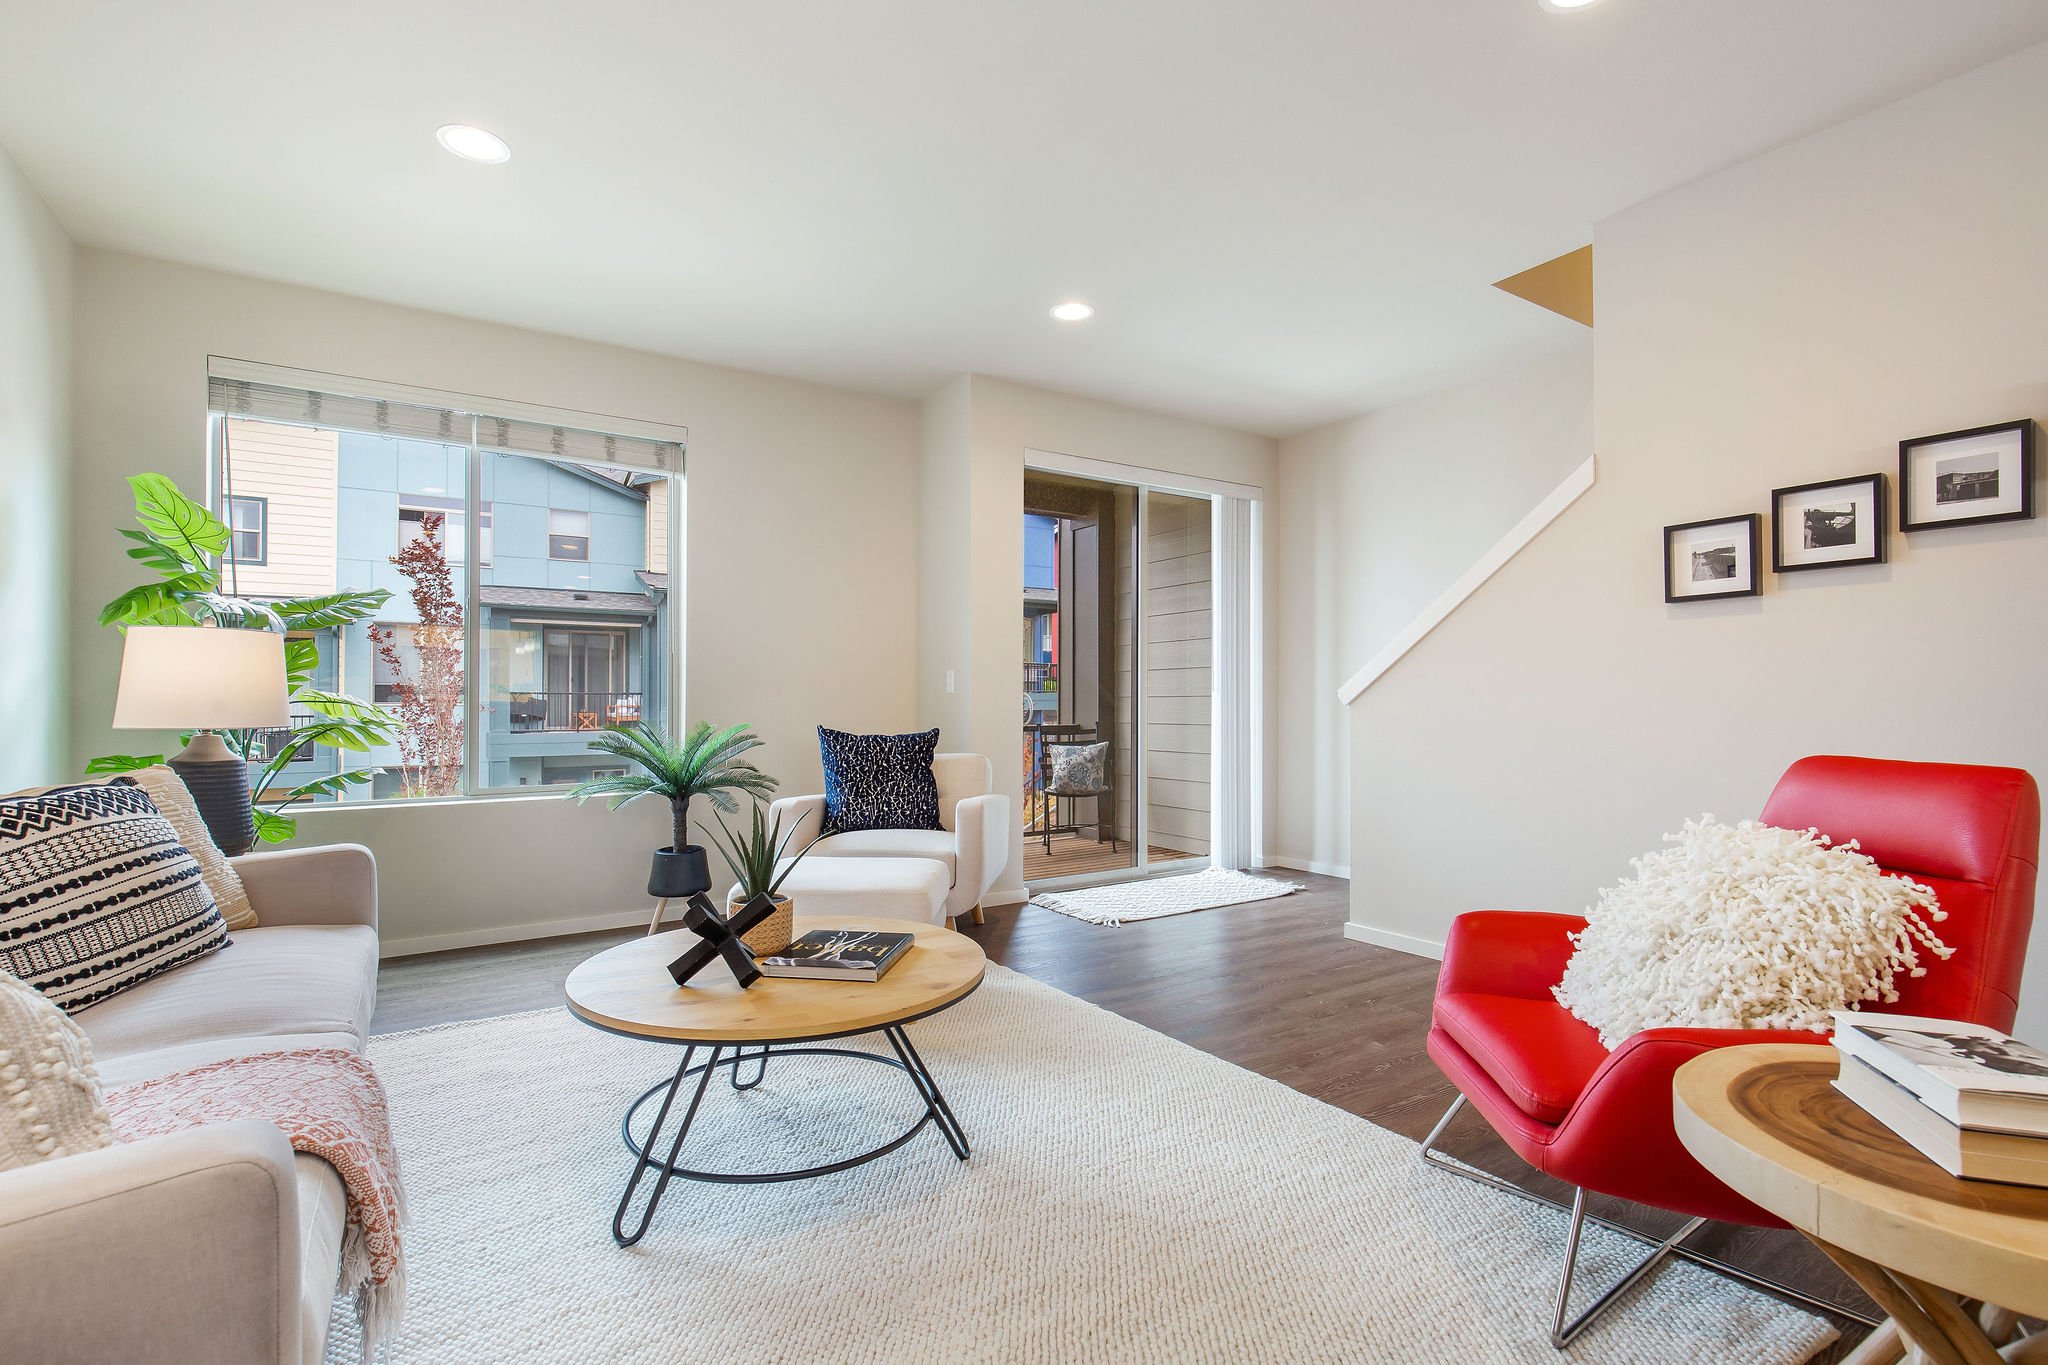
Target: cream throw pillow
<point x="51" y="1104"/>
<point x="173" y="800"/>
<point x="1746" y="926"/>
<point x="166" y="791"/>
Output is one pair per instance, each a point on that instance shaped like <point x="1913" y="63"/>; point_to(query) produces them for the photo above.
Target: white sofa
<point x="218" y="1244"/>
<point x="973" y="846"/>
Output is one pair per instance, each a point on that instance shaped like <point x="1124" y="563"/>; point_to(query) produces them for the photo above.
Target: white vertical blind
<point x="271" y="394"/>
<point x="1234" y="756"/>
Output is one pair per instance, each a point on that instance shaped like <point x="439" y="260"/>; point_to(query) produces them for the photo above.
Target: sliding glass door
<point x="1119" y="679"/>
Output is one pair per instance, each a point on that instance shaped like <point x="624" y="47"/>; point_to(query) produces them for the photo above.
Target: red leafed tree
<point x="430" y="703"/>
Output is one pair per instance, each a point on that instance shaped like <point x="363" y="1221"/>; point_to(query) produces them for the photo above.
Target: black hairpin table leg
<point x="760" y="1069"/>
<point x="928" y="1090"/>
<point x="644" y="1161"/>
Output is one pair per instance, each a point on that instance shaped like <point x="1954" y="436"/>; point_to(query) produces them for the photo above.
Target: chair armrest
<point x="330" y="884"/>
<point x="1507" y="952"/>
<point x="182" y="1248"/>
<point x="800" y="818"/>
<point x="981" y="846"/>
<point x="1619" y="1139"/>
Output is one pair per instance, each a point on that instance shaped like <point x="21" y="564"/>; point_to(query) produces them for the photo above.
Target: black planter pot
<point x="679" y="876"/>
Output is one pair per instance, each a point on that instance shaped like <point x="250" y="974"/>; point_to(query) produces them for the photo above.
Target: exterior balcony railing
<point x="567" y="712"/>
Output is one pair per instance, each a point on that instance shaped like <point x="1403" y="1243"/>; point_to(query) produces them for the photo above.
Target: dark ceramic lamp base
<point x="218" y="779"/>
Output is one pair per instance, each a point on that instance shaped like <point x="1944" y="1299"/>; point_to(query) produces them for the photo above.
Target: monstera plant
<point x="183" y="543"/>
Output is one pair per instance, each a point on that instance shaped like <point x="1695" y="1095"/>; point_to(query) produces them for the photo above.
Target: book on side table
<point x="837" y="955"/>
<point x="1973" y="1100"/>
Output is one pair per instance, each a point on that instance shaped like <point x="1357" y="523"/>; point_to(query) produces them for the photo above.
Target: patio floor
<point x="1072" y="855"/>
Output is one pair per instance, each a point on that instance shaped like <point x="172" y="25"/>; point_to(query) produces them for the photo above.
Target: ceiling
<point x="1285" y="212"/>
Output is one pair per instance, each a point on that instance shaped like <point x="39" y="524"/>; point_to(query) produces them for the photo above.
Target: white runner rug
<point x="1163" y="896"/>
<point x="1129" y="1199"/>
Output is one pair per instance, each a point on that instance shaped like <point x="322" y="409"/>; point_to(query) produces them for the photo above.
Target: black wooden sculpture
<point x="718" y="936"/>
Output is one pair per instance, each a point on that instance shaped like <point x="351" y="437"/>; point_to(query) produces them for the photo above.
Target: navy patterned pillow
<point x="879" y="781"/>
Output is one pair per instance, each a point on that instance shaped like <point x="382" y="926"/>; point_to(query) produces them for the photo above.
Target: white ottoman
<point x="897" y="888"/>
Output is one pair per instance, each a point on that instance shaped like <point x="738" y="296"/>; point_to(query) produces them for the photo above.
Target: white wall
<point x="35" y="438"/>
<point x="1384" y="512"/>
<point x="800" y="557"/>
<point x="1787" y="320"/>
<point x="1005" y="420"/>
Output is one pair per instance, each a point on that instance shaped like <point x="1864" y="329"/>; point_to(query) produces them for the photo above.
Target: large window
<point x="527" y="567"/>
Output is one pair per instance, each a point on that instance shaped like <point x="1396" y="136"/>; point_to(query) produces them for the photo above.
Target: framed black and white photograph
<point x="1709" y="559"/>
<point x="1964" y="477"/>
<point x="1825" y="525"/>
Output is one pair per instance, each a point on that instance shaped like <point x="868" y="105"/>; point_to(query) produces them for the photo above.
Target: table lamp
<point x="206" y="678"/>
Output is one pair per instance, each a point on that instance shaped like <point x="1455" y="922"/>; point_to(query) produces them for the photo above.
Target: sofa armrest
<point x="981" y="846"/>
<point x="800" y="818"/>
<point x="174" y="1249"/>
<point x="1517" y="953"/>
<point x="330" y="884"/>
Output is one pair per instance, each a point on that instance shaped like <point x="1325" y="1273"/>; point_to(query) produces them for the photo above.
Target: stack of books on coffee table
<point x="1972" y="1099"/>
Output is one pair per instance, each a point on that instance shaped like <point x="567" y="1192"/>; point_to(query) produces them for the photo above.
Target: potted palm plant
<point x="707" y="763"/>
<point x="754" y="857"/>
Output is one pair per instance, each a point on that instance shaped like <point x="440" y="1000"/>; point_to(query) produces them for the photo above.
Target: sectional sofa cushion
<point x="879" y="781"/>
<point x="280" y="980"/>
<point x="97" y="894"/>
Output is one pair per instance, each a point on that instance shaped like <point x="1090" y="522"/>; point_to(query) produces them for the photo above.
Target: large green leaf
<point x="341" y="706"/>
<point x="334" y="609"/>
<point x="273" y="828"/>
<point x="331" y="785"/>
<point x="301" y="661"/>
<point x="171" y="602"/>
<point x="183" y="526"/>
<point x="121" y="763"/>
<point x="159" y="556"/>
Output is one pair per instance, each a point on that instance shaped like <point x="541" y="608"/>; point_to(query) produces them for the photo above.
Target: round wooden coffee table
<point x="627" y="990"/>
<point x="1768" y="1121"/>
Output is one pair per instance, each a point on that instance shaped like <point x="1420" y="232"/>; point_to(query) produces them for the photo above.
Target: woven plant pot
<point x="771" y="935"/>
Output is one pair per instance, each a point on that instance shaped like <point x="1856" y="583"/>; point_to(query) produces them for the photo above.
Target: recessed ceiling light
<point x="473" y="144"/>
<point x="1075" y="311"/>
<point x="1566" y="6"/>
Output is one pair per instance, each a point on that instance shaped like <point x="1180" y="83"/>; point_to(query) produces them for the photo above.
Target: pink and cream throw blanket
<point x="329" y="1103"/>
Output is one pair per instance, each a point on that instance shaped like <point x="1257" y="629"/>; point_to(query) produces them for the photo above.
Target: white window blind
<point x="334" y="406"/>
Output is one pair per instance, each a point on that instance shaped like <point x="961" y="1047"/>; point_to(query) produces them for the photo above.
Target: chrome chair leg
<point x="1561" y="1334"/>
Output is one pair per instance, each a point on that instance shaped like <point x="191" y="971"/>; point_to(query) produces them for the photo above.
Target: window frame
<point x="262" y="532"/>
<point x="424" y="503"/>
<point x="582" y="536"/>
<point x="672" y="653"/>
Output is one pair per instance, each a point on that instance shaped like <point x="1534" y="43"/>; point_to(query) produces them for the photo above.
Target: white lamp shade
<point x="201" y="678"/>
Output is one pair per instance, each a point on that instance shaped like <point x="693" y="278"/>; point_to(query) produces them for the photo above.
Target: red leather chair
<point x="1601" y="1121"/>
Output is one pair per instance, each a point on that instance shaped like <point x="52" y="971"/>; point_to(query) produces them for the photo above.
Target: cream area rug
<point x="1163" y="896"/>
<point x="1129" y="1199"/>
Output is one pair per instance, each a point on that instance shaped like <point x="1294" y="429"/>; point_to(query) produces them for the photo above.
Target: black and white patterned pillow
<point x="97" y="894"/>
<point x="1079" y="769"/>
<point x="879" y="781"/>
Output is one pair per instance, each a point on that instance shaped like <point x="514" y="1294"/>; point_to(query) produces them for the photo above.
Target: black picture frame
<point x="1915" y="497"/>
<point x="1751" y="526"/>
<point x="1870" y="488"/>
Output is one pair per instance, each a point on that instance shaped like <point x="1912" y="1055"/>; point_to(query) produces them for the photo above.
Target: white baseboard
<point x="1400" y="943"/>
<point x="1004" y="895"/>
<point x="520" y="933"/>
<point x="1308" y="865"/>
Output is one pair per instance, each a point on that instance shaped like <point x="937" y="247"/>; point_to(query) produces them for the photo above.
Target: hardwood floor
<point x="1280" y="991"/>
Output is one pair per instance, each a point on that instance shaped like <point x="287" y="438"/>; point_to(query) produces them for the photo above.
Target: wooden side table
<point x="1768" y="1120"/>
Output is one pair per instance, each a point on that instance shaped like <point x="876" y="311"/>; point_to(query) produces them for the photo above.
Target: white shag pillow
<point x="1746" y="926"/>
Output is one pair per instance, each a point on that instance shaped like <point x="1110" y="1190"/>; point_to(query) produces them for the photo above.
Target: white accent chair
<point x="973" y="846"/>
